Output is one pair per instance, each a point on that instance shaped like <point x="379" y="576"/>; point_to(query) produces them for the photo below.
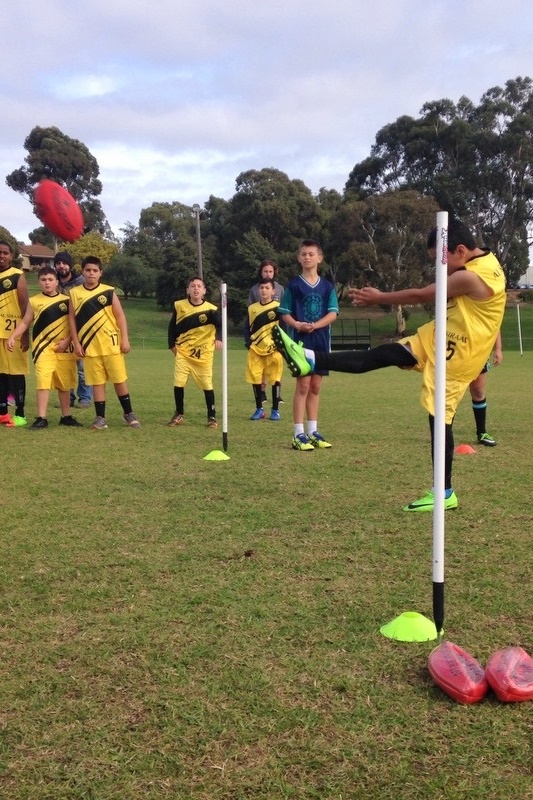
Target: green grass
<point x="186" y="629"/>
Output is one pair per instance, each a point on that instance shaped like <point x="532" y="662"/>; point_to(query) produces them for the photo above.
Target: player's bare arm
<point x="22" y="328"/>
<point x="78" y="349"/>
<point x="460" y="282"/>
<point x="369" y="296"/>
<point x="122" y="324"/>
<point x="468" y="283"/>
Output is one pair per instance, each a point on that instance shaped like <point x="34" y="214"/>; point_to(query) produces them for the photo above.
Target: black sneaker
<point x="70" y="422"/>
<point x="40" y="422"/>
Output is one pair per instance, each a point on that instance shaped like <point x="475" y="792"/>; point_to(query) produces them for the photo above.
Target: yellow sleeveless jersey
<point x="261" y="319"/>
<point x="10" y="312"/>
<point x="96" y="325"/>
<point x="50" y="323"/>
<point x="194" y="329"/>
<point x="471" y="325"/>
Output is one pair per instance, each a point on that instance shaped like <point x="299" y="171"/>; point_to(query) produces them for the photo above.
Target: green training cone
<point x="410" y="627"/>
<point x="216" y="455"/>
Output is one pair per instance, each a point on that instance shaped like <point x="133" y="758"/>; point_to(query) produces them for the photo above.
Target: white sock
<point x="310" y="356"/>
<point x="312" y="426"/>
<point x="298" y="428"/>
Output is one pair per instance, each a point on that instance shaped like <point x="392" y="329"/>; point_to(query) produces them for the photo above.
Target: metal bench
<point x="351" y="334"/>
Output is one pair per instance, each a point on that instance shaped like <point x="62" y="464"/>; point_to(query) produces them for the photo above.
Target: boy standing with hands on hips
<point x="309" y="306"/>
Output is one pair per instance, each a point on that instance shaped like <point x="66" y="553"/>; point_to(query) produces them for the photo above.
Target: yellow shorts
<point x="455" y="389"/>
<point x="271" y="366"/>
<point x="201" y="370"/>
<point x="15" y="363"/>
<point x="100" y="369"/>
<point x="52" y="372"/>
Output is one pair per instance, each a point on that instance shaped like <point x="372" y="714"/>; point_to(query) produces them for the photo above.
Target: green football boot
<point x="292" y="352"/>
<point x="427" y="503"/>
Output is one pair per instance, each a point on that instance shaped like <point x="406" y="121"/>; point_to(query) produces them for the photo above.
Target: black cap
<point x="63" y="256"/>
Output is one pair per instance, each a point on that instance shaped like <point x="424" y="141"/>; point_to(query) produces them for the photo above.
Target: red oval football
<point x="457" y="673"/>
<point x="510" y="674"/>
<point x="57" y="209"/>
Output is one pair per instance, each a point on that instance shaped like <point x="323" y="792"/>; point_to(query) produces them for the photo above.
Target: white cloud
<point x="175" y="100"/>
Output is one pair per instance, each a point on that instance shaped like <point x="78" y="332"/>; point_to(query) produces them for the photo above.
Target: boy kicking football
<point x="476" y="304"/>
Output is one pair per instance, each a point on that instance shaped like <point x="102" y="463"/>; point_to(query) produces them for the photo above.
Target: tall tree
<point x="381" y="239"/>
<point x="266" y="218"/>
<point x="52" y="154"/>
<point x="477" y="161"/>
<point x="165" y="240"/>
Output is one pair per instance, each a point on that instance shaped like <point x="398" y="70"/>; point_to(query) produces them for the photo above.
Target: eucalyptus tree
<point x="476" y="161"/>
<point x="52" y="154"/>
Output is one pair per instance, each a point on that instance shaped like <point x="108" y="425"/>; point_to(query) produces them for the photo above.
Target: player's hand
<point x="125" y="346"/>
<point x="218" y="344"/>
<point x="10" y="344"/>
<point x="368" y="296"/>
<point x="62" y="346"/>
<point x="497" y="358"/>
<point x="79" y="351"/>
<point x="25" y="342"/>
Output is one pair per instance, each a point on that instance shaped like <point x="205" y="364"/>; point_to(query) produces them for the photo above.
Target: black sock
<point x="479" y="407"/>
<point x="125" y="402"/>
<point x="99" y="406"/>
<point x="18" y="383"/>
<point x="276" y="391"/>
<point x="448" y="450"/>
<point x="210" y="403"/>
<point x="179" y="397"/>
<point x="4" y="391"/>
<point x="258" y="394"/>
<point x="359" y="361"/>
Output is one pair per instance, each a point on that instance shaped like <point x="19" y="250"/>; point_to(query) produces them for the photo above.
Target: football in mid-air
<point x="58" y="210"/>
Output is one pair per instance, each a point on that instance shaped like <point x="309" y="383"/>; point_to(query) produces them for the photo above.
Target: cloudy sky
<point x="175" y="99"/>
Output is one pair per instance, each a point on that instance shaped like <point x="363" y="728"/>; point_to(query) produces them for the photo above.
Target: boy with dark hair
<point x="194" y="332"/>
<point x="99" y="333"/>
<point x="263" y="358"/>
<point x="13" y="364"/>
<point x="476" y="303"/>
<point x="68" y="278"/>
<point x="53" y="357"/>
<point x="309" y="306"/>
<point x="267" y="269"/>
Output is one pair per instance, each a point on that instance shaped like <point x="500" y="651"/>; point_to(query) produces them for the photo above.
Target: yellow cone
<point x="410" y="627"/>
<point x="216" y="455"/>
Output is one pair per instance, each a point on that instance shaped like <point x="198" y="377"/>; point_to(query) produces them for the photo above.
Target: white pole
<point x="439" y="442"/>
<point x="519" y="329"/>
<point x="224" y="304"/>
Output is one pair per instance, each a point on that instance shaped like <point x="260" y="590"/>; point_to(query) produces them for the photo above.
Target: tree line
<point x="474" y="161"/>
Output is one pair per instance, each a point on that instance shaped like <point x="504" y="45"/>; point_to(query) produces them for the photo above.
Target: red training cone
<point x="464" y="449"/>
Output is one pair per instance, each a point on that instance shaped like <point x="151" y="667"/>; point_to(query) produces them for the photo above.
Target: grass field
<point x="182" y="629"/>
